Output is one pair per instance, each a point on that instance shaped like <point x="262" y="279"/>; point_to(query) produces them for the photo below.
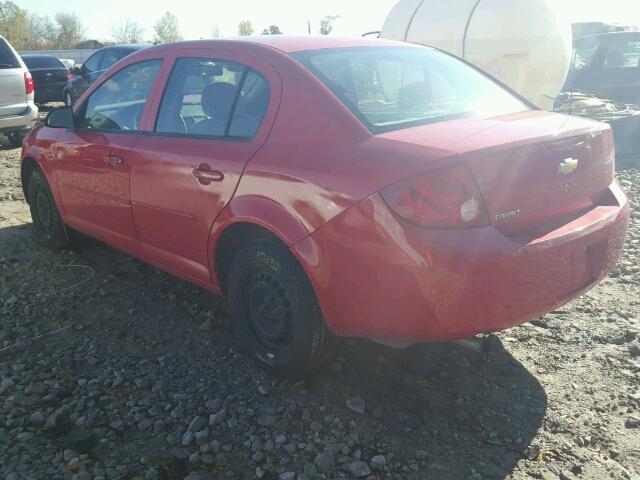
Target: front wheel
<point x="44" y="213"/>
<point x="276" y="316"/>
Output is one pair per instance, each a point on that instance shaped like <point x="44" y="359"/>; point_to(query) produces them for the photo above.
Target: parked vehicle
<point x="68" y="62"/>
<point x="17" y="107"/>
<point x="95" y="66"/>
<point x="333" y="187"/>
<point x="607" y="65"/>
<point x="49" y="77"/>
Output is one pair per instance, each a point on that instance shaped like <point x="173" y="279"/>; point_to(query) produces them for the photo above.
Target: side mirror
<point x="76" y="70"/>
<point x="60" y="118"/>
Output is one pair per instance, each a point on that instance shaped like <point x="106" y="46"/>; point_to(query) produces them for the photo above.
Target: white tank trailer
<point x="527" y="44"/>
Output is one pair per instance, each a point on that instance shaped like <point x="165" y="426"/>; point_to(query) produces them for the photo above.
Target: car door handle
<point x="114" y="160"/>
<point x="206" y="175"/>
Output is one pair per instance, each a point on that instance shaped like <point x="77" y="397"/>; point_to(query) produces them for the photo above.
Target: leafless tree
<point x="69" y="29"/>
<point x="127" y="31"/>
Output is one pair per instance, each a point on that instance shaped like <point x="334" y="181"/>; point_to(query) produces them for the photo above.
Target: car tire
<point x="15" y="139"/>
<point x="68" y="100"/>
<point x="276" y="315"/>
<point x="50" y="230"/>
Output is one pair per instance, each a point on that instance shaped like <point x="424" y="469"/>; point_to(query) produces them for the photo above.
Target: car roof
<point x="289" y="43"/>
<point x="129" y="46"/>
<point x="38" y="55"/>
<point x="612" y="35"/>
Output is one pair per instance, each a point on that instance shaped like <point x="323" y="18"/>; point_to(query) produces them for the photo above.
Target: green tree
<point x="166" y="29"/>
<point x="272" y="30"/>
<point x="245" y="28"/>
<point x="327" y="24"/>
<point x="13" y="23"/>
<point x="127" y="31"/>
<point x="69" y="29"/>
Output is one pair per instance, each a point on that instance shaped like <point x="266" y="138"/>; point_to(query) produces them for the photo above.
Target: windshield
<point x="390" y="88"/>
<point x="42" y="62"/>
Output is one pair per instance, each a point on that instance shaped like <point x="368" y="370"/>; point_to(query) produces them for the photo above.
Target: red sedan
<point x="332" y="187"/>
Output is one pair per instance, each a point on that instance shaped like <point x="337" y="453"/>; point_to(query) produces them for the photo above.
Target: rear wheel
<point x="276" y="316"/>
<point x="46" y="219"/>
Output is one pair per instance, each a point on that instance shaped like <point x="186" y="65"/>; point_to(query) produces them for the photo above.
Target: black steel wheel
<point x="276" y="316"/>
<point x="44" y="213"/>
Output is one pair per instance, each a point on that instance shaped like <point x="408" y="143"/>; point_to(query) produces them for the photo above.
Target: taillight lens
<point x="28" y="83"/>
<point x="445" y="198"/>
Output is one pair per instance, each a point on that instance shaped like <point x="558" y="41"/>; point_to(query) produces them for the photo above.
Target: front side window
<point x="393" y="88"/>
<point x="623" y="55"/>
<point x="213" y="98"/>
<point x="583" y="53"/>
<point x="117" y="104"/>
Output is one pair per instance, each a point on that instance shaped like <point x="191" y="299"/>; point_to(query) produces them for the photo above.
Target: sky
<point x="198" y="17"/>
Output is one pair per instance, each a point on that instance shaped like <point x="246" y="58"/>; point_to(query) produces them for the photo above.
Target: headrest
<point x="414" y="97"/>
<point x="217" y="99"/>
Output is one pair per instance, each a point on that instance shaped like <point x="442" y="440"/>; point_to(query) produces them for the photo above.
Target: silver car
<point x="17" y="107"/>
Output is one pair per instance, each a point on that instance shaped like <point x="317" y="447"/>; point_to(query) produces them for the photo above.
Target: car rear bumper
<point x="379" y="277"/>
<point x="22" y="121"/>
<point x="50" y="93"/>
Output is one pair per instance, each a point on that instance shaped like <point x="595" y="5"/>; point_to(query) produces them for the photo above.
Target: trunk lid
<point x="533" y="168"/>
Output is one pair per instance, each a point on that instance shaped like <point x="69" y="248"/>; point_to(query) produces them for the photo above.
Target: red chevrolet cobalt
<point x="332" y="187"/>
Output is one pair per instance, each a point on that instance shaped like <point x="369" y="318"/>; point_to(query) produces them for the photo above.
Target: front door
<point x="94" y="159"/>
<point x="212" y="118"/>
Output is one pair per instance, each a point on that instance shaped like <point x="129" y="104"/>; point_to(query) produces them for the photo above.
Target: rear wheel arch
<point x="231" y="240"/>
<point x="247" y="218"/>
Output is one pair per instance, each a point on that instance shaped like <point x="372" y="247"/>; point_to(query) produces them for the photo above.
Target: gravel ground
<point x="110" y="369"/>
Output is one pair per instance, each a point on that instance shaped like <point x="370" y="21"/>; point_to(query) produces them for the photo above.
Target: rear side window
<point x="42" y="62"/>
<point x="93" y="62"/>
<point x="213" y="98"/>
<point x="110" y="57"/>
<point x="7" y="57"/>
<point x="117" y="104"/>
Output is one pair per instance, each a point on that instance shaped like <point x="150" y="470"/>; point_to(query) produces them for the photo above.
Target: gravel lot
<point x="110" y="369"/>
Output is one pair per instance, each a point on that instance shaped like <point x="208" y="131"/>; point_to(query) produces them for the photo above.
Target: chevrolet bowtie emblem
<point x="568" y="166"/>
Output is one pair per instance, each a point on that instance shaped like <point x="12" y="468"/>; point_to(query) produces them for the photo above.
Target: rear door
<point x="13" y="97"/>
<point x="213" y="115"/>
<point x="94" y="160"/>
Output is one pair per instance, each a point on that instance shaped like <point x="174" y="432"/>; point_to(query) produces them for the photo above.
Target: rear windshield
<point x="7" y="57"/>
<point x="42" y="62"/>
<point x="390" y="88"/>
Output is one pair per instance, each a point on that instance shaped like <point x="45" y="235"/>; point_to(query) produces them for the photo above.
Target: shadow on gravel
<point x="467" y="411"/>
<point x="462" y="412"/>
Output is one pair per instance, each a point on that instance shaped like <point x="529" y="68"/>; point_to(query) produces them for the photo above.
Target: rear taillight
<point x="28" y="83"/>
<point x="69" y="75"/>
<point x="445" y="198"/>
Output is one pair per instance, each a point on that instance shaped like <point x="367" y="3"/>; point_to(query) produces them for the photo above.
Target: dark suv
<point x="94" y="66"/>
